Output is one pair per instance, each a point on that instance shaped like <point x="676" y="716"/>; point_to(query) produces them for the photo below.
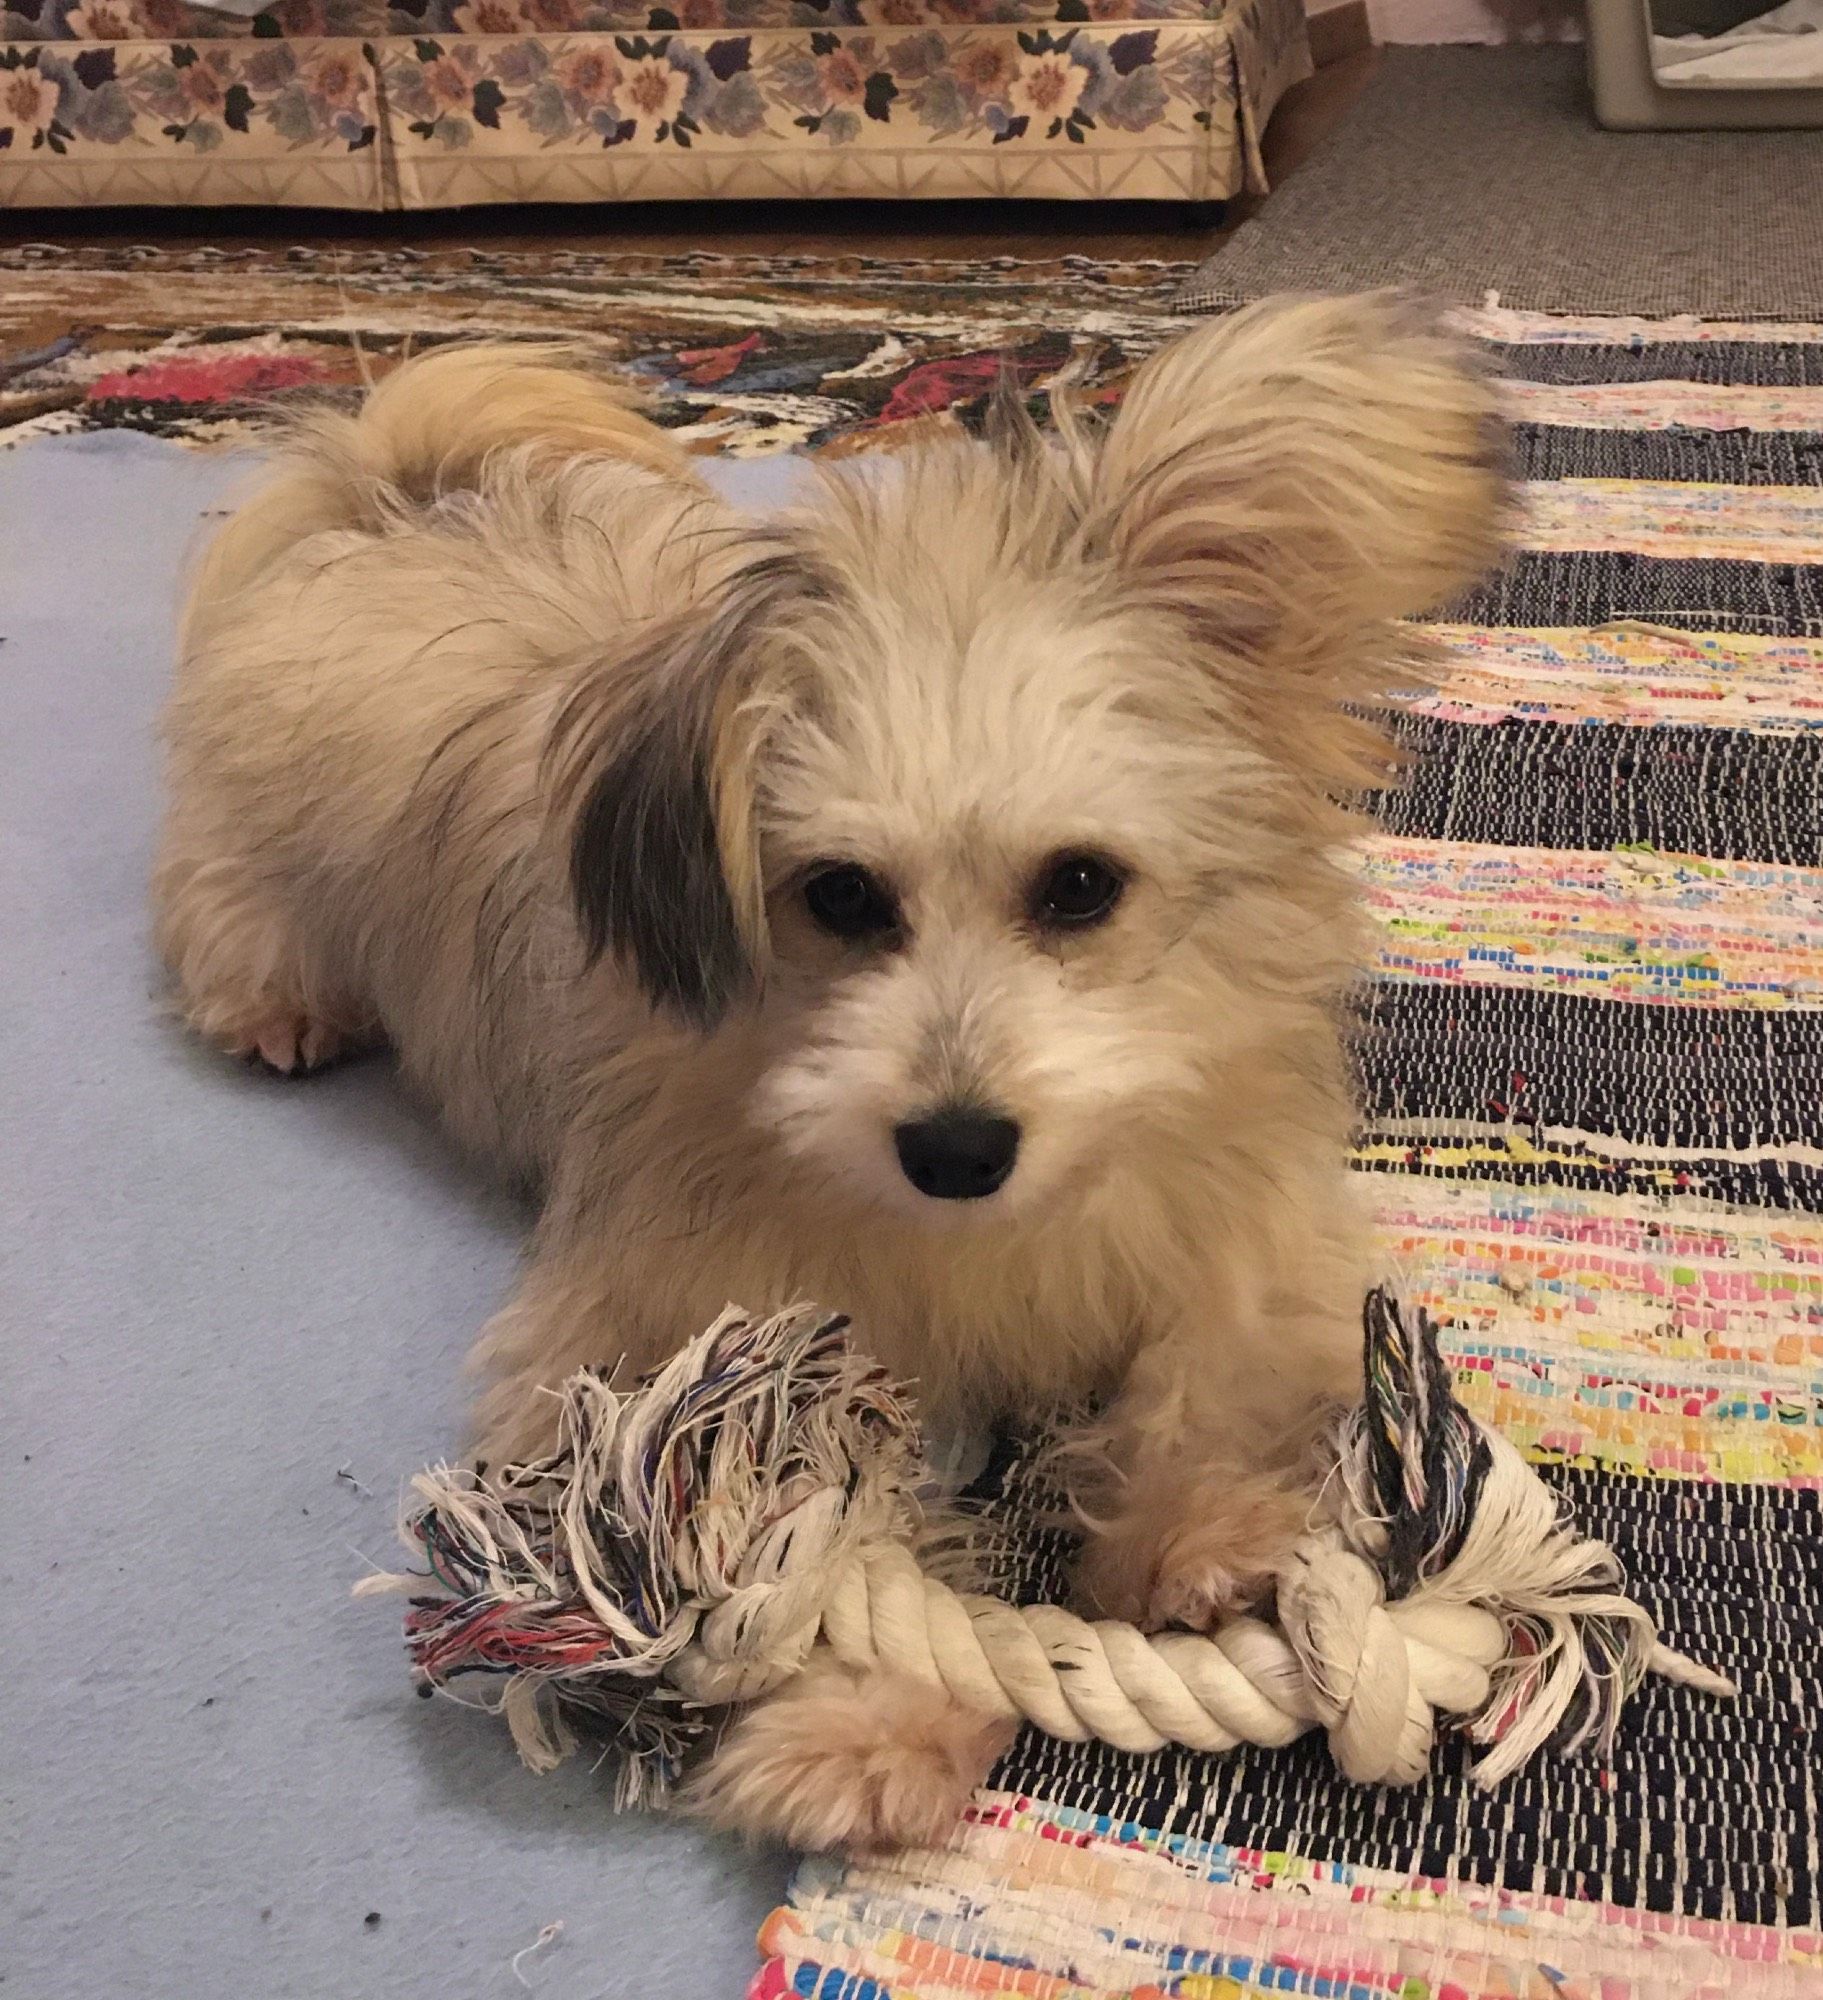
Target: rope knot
<point x="1332" y="1605"/>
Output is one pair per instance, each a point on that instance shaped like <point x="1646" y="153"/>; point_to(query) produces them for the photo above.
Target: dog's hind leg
<point x="248" y="979"/>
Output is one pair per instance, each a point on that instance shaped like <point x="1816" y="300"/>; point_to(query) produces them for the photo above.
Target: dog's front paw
<point x="1192" y="1556"/>
<point x="856" y="1762"/>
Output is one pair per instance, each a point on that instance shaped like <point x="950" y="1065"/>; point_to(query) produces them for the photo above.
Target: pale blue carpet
<point x="217" y="1293"/>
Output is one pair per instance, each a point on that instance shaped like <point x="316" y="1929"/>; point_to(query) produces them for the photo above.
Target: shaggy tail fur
<point x="431" y="427"/>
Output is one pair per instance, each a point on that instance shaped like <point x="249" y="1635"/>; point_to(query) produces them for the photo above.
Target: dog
<point x="925" y="901"/>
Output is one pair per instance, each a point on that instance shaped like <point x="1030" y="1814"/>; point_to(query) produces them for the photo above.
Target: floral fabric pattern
<point x="422" y="103"/>
<point x="180" y="21"/>
<point x="548" y="17"/>
<point x="992" y="87"/>
<point x="298" y="20"/>
<point x="248" y="98"/>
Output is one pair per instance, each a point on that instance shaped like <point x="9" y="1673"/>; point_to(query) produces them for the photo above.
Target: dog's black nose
<point x="957" y="1155"/>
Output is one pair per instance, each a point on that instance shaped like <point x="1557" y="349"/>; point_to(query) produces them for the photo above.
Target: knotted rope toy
<point x="690" y="1540"/>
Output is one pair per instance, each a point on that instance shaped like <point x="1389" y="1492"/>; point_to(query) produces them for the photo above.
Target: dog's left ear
<point x="1302" y="469"/>
<point x="654" y="760"/>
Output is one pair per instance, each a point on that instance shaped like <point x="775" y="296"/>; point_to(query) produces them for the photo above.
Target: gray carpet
<point x="232" y="1312"/>
<point x="1468" y="170"/>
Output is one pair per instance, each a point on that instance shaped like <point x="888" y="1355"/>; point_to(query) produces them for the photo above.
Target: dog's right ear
<point x="1288" y="481"/>
<point x="653" y="766"/>
<point x="1305" y="465"/>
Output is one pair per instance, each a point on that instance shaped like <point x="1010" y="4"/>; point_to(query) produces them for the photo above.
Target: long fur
<point x="499" y="738"/>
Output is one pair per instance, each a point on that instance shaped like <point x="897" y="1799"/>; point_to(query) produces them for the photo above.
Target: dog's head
<point x="989" y="795"/>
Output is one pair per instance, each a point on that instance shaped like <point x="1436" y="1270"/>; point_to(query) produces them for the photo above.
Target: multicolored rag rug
<point x="1592" y="1061"/>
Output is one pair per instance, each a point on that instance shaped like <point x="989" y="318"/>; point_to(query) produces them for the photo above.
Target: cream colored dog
<point x="923" y="902"/>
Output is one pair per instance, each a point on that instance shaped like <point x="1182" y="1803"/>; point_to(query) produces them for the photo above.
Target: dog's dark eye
<point x="1076" y="889"/>
<point x="849" y="902"/>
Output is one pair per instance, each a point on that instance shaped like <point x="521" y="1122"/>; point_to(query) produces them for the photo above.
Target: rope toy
<point x="691" y="1539"/>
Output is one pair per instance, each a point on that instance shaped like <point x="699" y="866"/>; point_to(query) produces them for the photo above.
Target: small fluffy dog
<point x="923" y="902"/>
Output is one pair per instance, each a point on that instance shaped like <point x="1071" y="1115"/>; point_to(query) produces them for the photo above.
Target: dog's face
<point x="996" y="852"/>
<point x="988" y="799"/>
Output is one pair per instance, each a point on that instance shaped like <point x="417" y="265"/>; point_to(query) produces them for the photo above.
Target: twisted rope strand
<point x="1375" y="1676"/>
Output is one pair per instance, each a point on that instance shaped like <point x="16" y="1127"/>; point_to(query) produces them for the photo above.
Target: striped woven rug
<point x="1592" y="1066"/>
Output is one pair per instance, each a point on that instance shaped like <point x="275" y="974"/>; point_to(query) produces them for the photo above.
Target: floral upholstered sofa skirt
<point x="434" y="103"/>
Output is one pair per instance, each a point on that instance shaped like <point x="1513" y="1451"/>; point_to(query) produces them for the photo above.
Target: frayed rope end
<point x="1454" y="1514"/>
<point x="697" y="1511"/>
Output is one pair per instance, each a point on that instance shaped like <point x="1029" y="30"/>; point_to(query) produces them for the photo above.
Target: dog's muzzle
<point x="957" y="1155"/>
